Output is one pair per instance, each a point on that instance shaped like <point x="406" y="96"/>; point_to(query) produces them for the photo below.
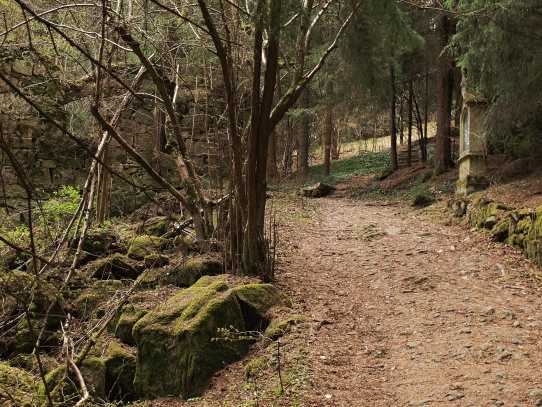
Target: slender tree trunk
<point x="328" y="129"/>
<point x="393" y="121"/>
<point x="445" y="79"/>
<point x="425" y="136"/>
<point x="410" y="107"/>
<point x="272" y="172"/>
<point x="303" y="147"/>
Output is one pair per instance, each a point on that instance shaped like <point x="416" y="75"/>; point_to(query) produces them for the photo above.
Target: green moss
<point x="176" y="351"/>
<point x="92" y="302"/>
<point x="256" y="299"/>
<point x="116" y="266"/>
<point x="120" y="368"/>
<point x="524" y="225"/>
<point x="501" y="230"/>
<point x="156" y="226"/>
<point x="20" y="385"/>
<point x="130" y="314"/>
<point x="254" y="367"/>
<point x="186" y="274"/>
<point x="156" y="260"/>
<point x="62" y="388"/>
<point x="142" y="246"/>
<point x="279" y="326"/>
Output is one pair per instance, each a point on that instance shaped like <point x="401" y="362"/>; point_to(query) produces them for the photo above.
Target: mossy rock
<point x="501" y="230"/>
<point x="256" y="300"/>
<point x="187" y="273"/>
<point x="317" y="190"/>
<point x="176" y="353"/>
<point x="93" y="302"/>
<point x="255" y="367"/>
<point x="130" y="314"/>
<point x="19" y="384"/>
<point x="186" y="244"/>
<point x="120" y="368"/>
<point x="156" y="226"/>
<point x="61" y="387"/>
<point x="115" y="267"/>
<point x="156" y="260"/>
<point x="101" y="241"/>
<point x="142" y="246"/>
<point x="280" y="325"/>
<point x="153" y="277"/>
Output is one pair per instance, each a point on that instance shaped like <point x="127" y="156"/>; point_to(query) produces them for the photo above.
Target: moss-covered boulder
<point x="130" y="314"/>
<point x="93" y="302"/>
<point x="317" y="190"/>
<point x="101" y="241"/>
<point x="281" y="323"/>
<point x="186" y="244"/>
<point x="17" y="387"/>
<point x="120" y="368"/>
<point x="156" y="260"/>
<point x="190" y="271"/>
<point x="177" y="354"/>
<point x="156" y="226"/>
<point x="117" y="267"/>
<point x="64" y="388"/>
<point x="142" y="246"/>
<point x="256" y="300"/>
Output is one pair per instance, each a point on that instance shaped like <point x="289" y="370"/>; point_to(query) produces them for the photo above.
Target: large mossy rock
<point x="101" y="241"/>
<point x="142" y="246"/>
<point x="93" y="302"/>
<point x="156" y="226"/>
<point x="177" y="354"/>
<point x="17" y="387"/>
<point x="115" y="267"/>
<point x="187" y="273"/>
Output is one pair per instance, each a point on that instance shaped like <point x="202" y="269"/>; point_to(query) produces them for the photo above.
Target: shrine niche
<point x="472" y="145"/>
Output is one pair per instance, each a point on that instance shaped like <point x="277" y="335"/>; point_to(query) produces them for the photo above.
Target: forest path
<point x="409" y="312"/>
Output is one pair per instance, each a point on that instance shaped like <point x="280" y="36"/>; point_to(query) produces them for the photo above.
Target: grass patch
<point x="345" y="169"/>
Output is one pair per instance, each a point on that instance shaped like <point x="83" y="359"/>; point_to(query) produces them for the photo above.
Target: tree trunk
<point x="303" y="147"/>
<point x="425" y="136"/>
<point x="393" y="121"/>
<point x="328" y="129"/>
<point x="410" y="107"/>
<point x="272" y="172"/>
<point x="445" y="79"/>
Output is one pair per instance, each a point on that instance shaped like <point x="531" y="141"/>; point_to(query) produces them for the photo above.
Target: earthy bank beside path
<point x="408" y="312"/>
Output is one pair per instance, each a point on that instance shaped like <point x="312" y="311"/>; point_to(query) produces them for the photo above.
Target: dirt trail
<point x="412" y="313"/>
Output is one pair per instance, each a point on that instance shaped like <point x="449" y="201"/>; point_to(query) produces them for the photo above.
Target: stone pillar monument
<point x="472" y="145"/>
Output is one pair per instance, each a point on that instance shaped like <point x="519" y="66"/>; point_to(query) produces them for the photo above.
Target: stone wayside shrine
<point x="472" y="145"/>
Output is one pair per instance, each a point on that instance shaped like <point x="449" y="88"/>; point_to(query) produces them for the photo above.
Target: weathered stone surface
<point x="176" y="352"/>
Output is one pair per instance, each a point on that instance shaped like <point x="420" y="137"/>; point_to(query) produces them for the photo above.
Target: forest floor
<point x="402" y="306"/>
